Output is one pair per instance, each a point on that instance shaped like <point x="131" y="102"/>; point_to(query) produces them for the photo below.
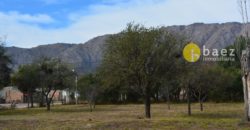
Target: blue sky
<point x="29" y="23"/>
<point x="57" y="9"/>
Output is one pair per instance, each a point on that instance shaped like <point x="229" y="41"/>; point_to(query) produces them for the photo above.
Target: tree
<point x="54" y="75"/>
<point x="5" y="63"/>
<point x="244" y="14"/>
<point x="212" y="82"/>
<point x="170" y="91"/>
<point x="245" y="56"/>
<point x="195" y="83"/>
<point x="233" y="70"/>
<point x="27" y="80"/>
<point x="89" y="86"/>
<point x="186" y="73"/>
<point x="203" y="80"/>
<point x="239" y="45"/>
<point x="139" y="57"/>
<point x="228" y="87"/>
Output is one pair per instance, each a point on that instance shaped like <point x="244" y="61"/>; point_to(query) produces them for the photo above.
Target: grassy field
<point x="222" y="116"/>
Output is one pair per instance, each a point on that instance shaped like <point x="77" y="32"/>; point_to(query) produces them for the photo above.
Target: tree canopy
<point x="139" y="58"/>
<point x="5" y="63"/>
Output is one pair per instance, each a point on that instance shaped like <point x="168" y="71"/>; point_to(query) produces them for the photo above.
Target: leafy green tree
<point x="187" y="82"/>
<point x="233" y="92"/>
<point x="47" y="75"/>
<point x="228" y="87"/>
<point x="171" y="83"/>
<point x="203" y="80"/>
<point x="239" y="45"/>
<point x="170" y="91"/>
<point x="89" y="87"/>
<point x="5" y="63"/>
<point x="27" y="80"/>
<point x="54" y="75"/>
<point x="139" y="57"/>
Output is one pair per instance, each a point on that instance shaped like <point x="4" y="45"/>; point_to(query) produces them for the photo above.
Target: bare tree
<point x="245" y="56"/>
<point x="243" y="9"/>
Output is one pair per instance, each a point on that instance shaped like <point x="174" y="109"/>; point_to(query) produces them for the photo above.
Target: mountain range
<point x="86" y="57"/>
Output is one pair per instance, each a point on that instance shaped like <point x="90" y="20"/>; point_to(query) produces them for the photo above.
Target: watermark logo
<point x="191" y="52"/>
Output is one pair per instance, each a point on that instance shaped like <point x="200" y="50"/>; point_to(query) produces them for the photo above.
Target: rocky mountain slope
<point x="86" y="57"/>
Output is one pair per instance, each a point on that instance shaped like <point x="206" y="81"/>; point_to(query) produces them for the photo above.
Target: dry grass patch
<point x="221" y="116"/>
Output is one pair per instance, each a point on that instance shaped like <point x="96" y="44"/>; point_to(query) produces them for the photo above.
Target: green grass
<point x="221" y="116"/>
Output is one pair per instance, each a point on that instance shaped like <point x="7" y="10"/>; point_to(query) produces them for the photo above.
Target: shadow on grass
<point x="24" y="111"/>
<point x="83" y="109"/>
<point x="54" y="109"/>
<point x="216" y="115"/>
<point x="125" y="125"/>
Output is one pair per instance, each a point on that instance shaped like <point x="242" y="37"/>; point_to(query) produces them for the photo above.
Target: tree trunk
<point x="168" y="98"/>
<point x="189" y="100"/>
<point x="47" y="103"/>
<point x="49" y="100"/>
<point x="42" y="100"/>
<point x="201" y="102"/>
<point x="94" y="105"/>
<point x="31" y="100"/>
<point x="28" y="101"/>
<point x="157" y="96"/>
<point x="147" y="105"/>
<point x="245" y="89"/>
<point x="90" y="105"/>
<point x="201" y="105"/>
<point x="48" y="106"/>
<point x="168" y="105"/>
